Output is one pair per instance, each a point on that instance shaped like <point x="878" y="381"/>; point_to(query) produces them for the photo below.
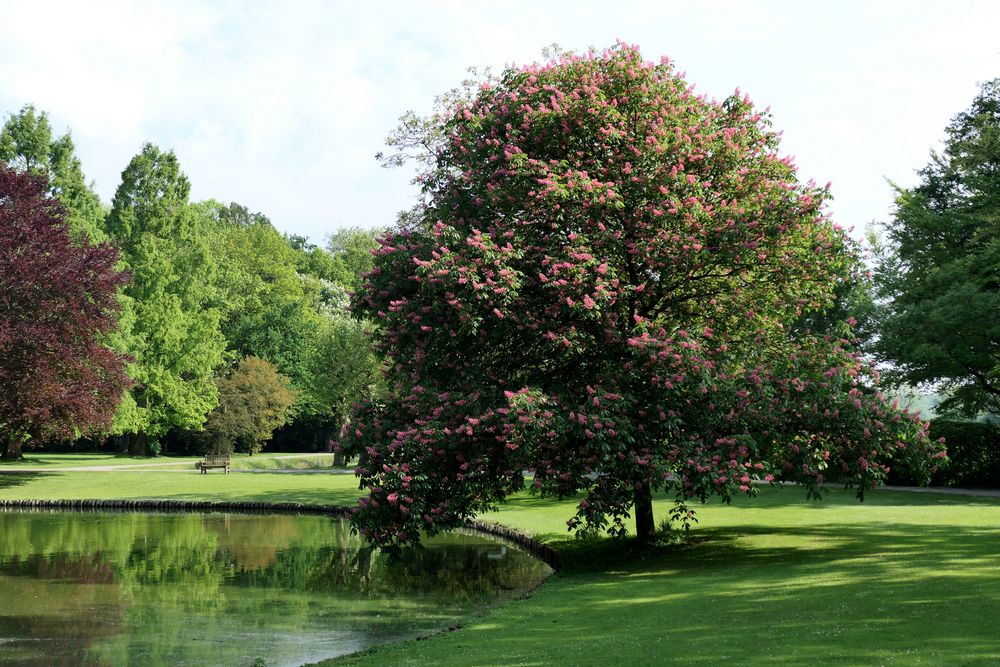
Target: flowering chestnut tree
<point x="57" y="302"/>
<point x="604" y="289"/>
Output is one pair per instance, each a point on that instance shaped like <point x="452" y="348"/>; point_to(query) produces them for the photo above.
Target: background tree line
<point x="229" y="329"/>
<point x="222" y="310"/>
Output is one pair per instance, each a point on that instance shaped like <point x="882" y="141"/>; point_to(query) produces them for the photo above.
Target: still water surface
<point x="93" y="588"/>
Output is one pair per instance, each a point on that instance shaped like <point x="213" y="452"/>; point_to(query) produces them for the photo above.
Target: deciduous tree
<point x="940" y="271"/>
<point x="57" y="303"/>
<point x="603" y="288"/>
<point x="352" y="249"/>
<point x="341" y="371"/>
<point x="254" y="399"/>
<point x="28" y="145"/>
<point x="168" y="326"/>
<point x="266" y="310"/>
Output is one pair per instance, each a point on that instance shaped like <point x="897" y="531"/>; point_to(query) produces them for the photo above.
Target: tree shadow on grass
<point x="10" y="479"/>
<point x="845" y="594"/>
<point x="26" y="462"/>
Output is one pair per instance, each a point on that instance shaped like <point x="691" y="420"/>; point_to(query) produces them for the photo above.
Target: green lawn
<point x="902" y="579"/>
<point x="262" y="461"/>
<point x="55" y="461"/>
<point x="316" y="488"/>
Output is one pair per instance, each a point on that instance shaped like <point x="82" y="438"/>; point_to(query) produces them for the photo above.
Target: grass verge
<point x="258" y="462"/>
<point x="902" y="579"/>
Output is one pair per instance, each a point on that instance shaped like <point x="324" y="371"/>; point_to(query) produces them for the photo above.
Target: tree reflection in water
<point x="159" y="589"/>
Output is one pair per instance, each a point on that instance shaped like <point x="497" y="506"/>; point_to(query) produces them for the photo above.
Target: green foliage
<point x="941" y="268"/>
<point x="263" y="301"/>
<point x="206" y="278"/>
<point x="341" y="369"/>
<point x="316" y="262"/>
<point x="28" y="145"/>
<point x="352" y="249"/>
<point x="254" y="399"/>
<point x="169" y="326"/>
<point x="282" y="302"/>
<point x="853" y="302"/>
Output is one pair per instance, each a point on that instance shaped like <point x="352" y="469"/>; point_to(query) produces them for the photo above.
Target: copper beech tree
<point x="603" y="290"/>
<point x="57" y="301"/>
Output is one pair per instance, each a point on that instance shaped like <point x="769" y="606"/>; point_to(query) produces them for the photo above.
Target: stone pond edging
<point x="517" y="538"/>
<point x="524" y="541"/>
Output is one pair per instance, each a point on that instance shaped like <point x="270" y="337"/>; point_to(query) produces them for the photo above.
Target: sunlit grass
<point x="317" y="488"/>
<point x="902" y="579"/>
<point x="260" y="461"/>
<point x="46" y="460"/>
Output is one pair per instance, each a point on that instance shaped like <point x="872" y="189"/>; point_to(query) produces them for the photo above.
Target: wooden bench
<point x="214" y="461"/>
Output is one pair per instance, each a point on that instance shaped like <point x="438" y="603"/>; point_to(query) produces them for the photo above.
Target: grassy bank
<point x="903" y="579"/>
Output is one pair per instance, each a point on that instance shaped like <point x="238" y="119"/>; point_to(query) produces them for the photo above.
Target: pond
<point x="107" y="588"/>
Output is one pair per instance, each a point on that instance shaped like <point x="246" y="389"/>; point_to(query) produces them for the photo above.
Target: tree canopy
<point x="351" y="249"/>
<point x="254" y="399"/>
<point x="28" y="145"/>
<point x="57" y="305"/>
<point x="169" y="328"/>
<point x="604" y="288"/>
<point x="940" y="272"/>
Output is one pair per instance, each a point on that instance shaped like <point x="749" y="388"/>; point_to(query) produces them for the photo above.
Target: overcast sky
<point x="281" y="106"/>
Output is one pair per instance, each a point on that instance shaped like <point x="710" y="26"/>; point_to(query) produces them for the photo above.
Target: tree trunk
<point x="12" y="452"/>
<point x="645" y="528"/>
<point x="137" y="444"/>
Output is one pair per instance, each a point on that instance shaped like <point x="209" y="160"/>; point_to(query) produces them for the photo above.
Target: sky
<point x="281" y="106"/>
